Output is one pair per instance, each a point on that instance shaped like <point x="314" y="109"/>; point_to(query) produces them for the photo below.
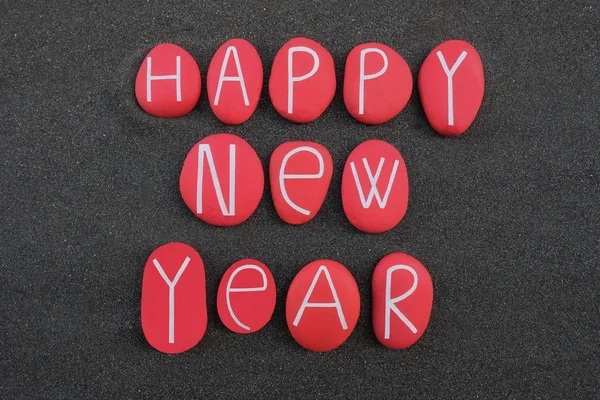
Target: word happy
<point x="377" y="83"/>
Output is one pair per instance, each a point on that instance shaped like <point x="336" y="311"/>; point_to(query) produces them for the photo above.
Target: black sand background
<point x="506" y="217"/>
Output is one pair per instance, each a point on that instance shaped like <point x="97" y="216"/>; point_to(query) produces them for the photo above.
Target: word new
<point x="377" y="83"/>
<point x="222" y="182"/>
<point x="322" y="305"/>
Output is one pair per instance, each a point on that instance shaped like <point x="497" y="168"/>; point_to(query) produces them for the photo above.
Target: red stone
<point x="222" y="202"/>
<point x="246" y="296"/>
<point x="160" y="68"/>
<point x="239" y="89"/>
<point x="174" y="298"/>
<point x="451" y="112"/>
<point x="331" y="302"/>
<point x="312" y="86"/>
<point x="300" y="173"/>
<point x="380" y="207"/>
<point x="402" y="299"/>
<point x="377" y="83"/>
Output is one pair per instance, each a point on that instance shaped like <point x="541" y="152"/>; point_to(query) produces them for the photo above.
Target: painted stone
<point x="375" y="187"/>
<point x="234" y="81"/>
<point x="300" y="173"/>
<point x="322" y="306"/>
<point x="402" y="300"/>
<point x="377" y="83"/>
<point x="451" y="85"/>
<point x="168" y="83"/>
<point x="302" y="81"/>
<point x="174" y="298"/>
<point x="246" y="296"/>
<point x="222" y="180"/>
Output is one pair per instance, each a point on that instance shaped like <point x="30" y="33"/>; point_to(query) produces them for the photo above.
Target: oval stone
<point x="246" y="296"/>
<point x="222" y="180"/>
<point x="302" y="82"/>
<point x="375" y="187"/>
<point x="377" y="83"/>
<point x="451" y="84"/>
<point x="174" y="298"/>
<point x="322" y="306"/>
<point x="300" y="173"/>
<point x="402" y="300"/>
<point x="234" y="81"/>
<point x="168" y="82"/>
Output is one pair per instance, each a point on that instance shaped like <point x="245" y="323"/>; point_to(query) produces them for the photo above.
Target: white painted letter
<point x="236" y="78"/>
<point x="283" y="176"/>
<point x="336" y="301"/>
<point x="205" y="148"/>
<point x="449" y="74"/>
<point x="292" y="78"/>
<point x="363" y="77"/>
<point x="150" y="78"/>
<point x="171" y="293"/>
<point x="234" y="290"/>
<point x="366" y="203"/>
<point x="390" y="304"/>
